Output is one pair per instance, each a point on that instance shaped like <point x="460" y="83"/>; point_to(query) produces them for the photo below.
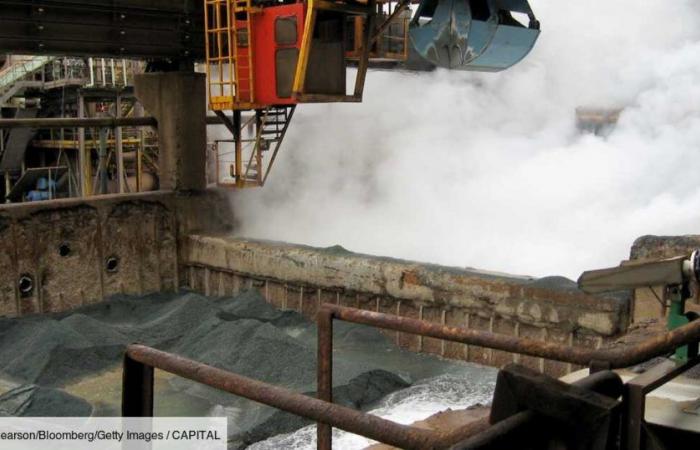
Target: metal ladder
<point x="229" y="54"/>
<point x="243" y="52"/>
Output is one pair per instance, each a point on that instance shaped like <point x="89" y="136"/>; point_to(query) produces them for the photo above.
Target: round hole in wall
<point x="64" y="250"/>
<point x="112" y="264"/>
<point x="25" y="285"/>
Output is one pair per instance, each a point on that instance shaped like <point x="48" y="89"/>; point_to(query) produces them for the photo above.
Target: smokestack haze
<point x="489" y="170"/>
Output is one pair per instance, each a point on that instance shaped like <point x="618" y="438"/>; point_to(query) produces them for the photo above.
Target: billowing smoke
<point x="489" y="170"/>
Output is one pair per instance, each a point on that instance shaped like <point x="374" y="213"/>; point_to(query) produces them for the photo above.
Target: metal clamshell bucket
<point x="477" y="35"/>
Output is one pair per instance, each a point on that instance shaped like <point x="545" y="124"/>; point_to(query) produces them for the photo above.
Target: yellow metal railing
<point x="226" y="62"/>
<point x="245" y="7"/>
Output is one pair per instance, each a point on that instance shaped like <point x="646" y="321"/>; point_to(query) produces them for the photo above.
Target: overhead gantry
<point x="264" y="57"/>
<point x="269" y="56"/>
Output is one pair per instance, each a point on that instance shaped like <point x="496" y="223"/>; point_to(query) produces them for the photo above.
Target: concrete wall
<point x="64" y="247"/>
<point x="166" y="240"/>
<point x="302" y="278"/>
<point x="80" y="251"/>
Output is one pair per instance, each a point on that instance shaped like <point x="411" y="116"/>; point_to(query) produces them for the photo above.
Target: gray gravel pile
<point x="36" y="401"/>
<point x="243" y="334"/>
<point x="51" y="350"/>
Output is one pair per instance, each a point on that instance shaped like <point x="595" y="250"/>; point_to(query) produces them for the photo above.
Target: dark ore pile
<point x="40" y="355"/>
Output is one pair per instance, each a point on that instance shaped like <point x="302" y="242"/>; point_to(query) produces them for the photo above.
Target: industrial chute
<point x="480" y="35"/>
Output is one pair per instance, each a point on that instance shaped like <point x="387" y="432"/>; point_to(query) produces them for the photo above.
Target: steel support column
<point x="83" y="159"/>
<point x="137" y="389"/>
<point x="118" y="142"/>
<point x="324" y="384"/>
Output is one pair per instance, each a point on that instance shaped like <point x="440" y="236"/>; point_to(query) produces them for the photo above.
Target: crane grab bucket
<point x="480" y="35"/>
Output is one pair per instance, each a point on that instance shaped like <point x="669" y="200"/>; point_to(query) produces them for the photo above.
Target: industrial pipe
<point x="329" y="312"/>
<point x="89" y="122"/>
<point x="137" y="398"/>
<point x="74" y="122"/>
<point x="626" y="356"/>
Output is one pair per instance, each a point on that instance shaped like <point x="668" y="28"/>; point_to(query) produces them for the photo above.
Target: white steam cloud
<point x="488" y="170"/>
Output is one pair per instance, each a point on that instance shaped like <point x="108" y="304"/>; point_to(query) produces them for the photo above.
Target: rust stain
<point x="409" y="277"/>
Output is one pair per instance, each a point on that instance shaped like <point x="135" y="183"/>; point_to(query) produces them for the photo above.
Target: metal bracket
<point x="575" y="415"/>
<point x="635" y="398"/>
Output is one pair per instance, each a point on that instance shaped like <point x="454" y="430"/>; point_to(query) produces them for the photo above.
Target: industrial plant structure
<point x="110" y="105"/>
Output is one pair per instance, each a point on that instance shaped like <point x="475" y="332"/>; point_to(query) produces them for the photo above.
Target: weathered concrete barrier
<point x="55" y="256"/>
<point x="302" y="278"/>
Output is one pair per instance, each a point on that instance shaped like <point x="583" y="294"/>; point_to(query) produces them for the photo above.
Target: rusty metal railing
<point x="140" y="362"/>
<point x="596" y="359"/>
<point x="137" y="400"/>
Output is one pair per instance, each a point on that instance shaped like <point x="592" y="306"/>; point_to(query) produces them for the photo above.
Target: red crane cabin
<point x="276" y="41"/>
<point x="267" y="59"/>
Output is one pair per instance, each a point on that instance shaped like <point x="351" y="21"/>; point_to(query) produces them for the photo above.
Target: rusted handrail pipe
<point x="615" y="357"/>
<point x="89" y="122"/>
<point x="324" y="383"/>
<point x="76" y="122"/>
<point x="341" y="417"/>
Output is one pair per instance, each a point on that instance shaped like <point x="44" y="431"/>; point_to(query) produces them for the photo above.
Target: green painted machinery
<point x="675" y="275"/>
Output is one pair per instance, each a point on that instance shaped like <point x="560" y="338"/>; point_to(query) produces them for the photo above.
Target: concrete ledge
<point x="483" y="294"/>
<point x="650" y="247"/>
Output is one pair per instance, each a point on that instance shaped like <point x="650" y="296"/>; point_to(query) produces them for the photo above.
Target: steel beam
<point x="94" y="122"/>
<point x="137" y="389"/>
<point x="119" y="144"/>
<point x="77" y="122"/>
<point x="324" y="367"/>
<point x="158" y="29"/>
